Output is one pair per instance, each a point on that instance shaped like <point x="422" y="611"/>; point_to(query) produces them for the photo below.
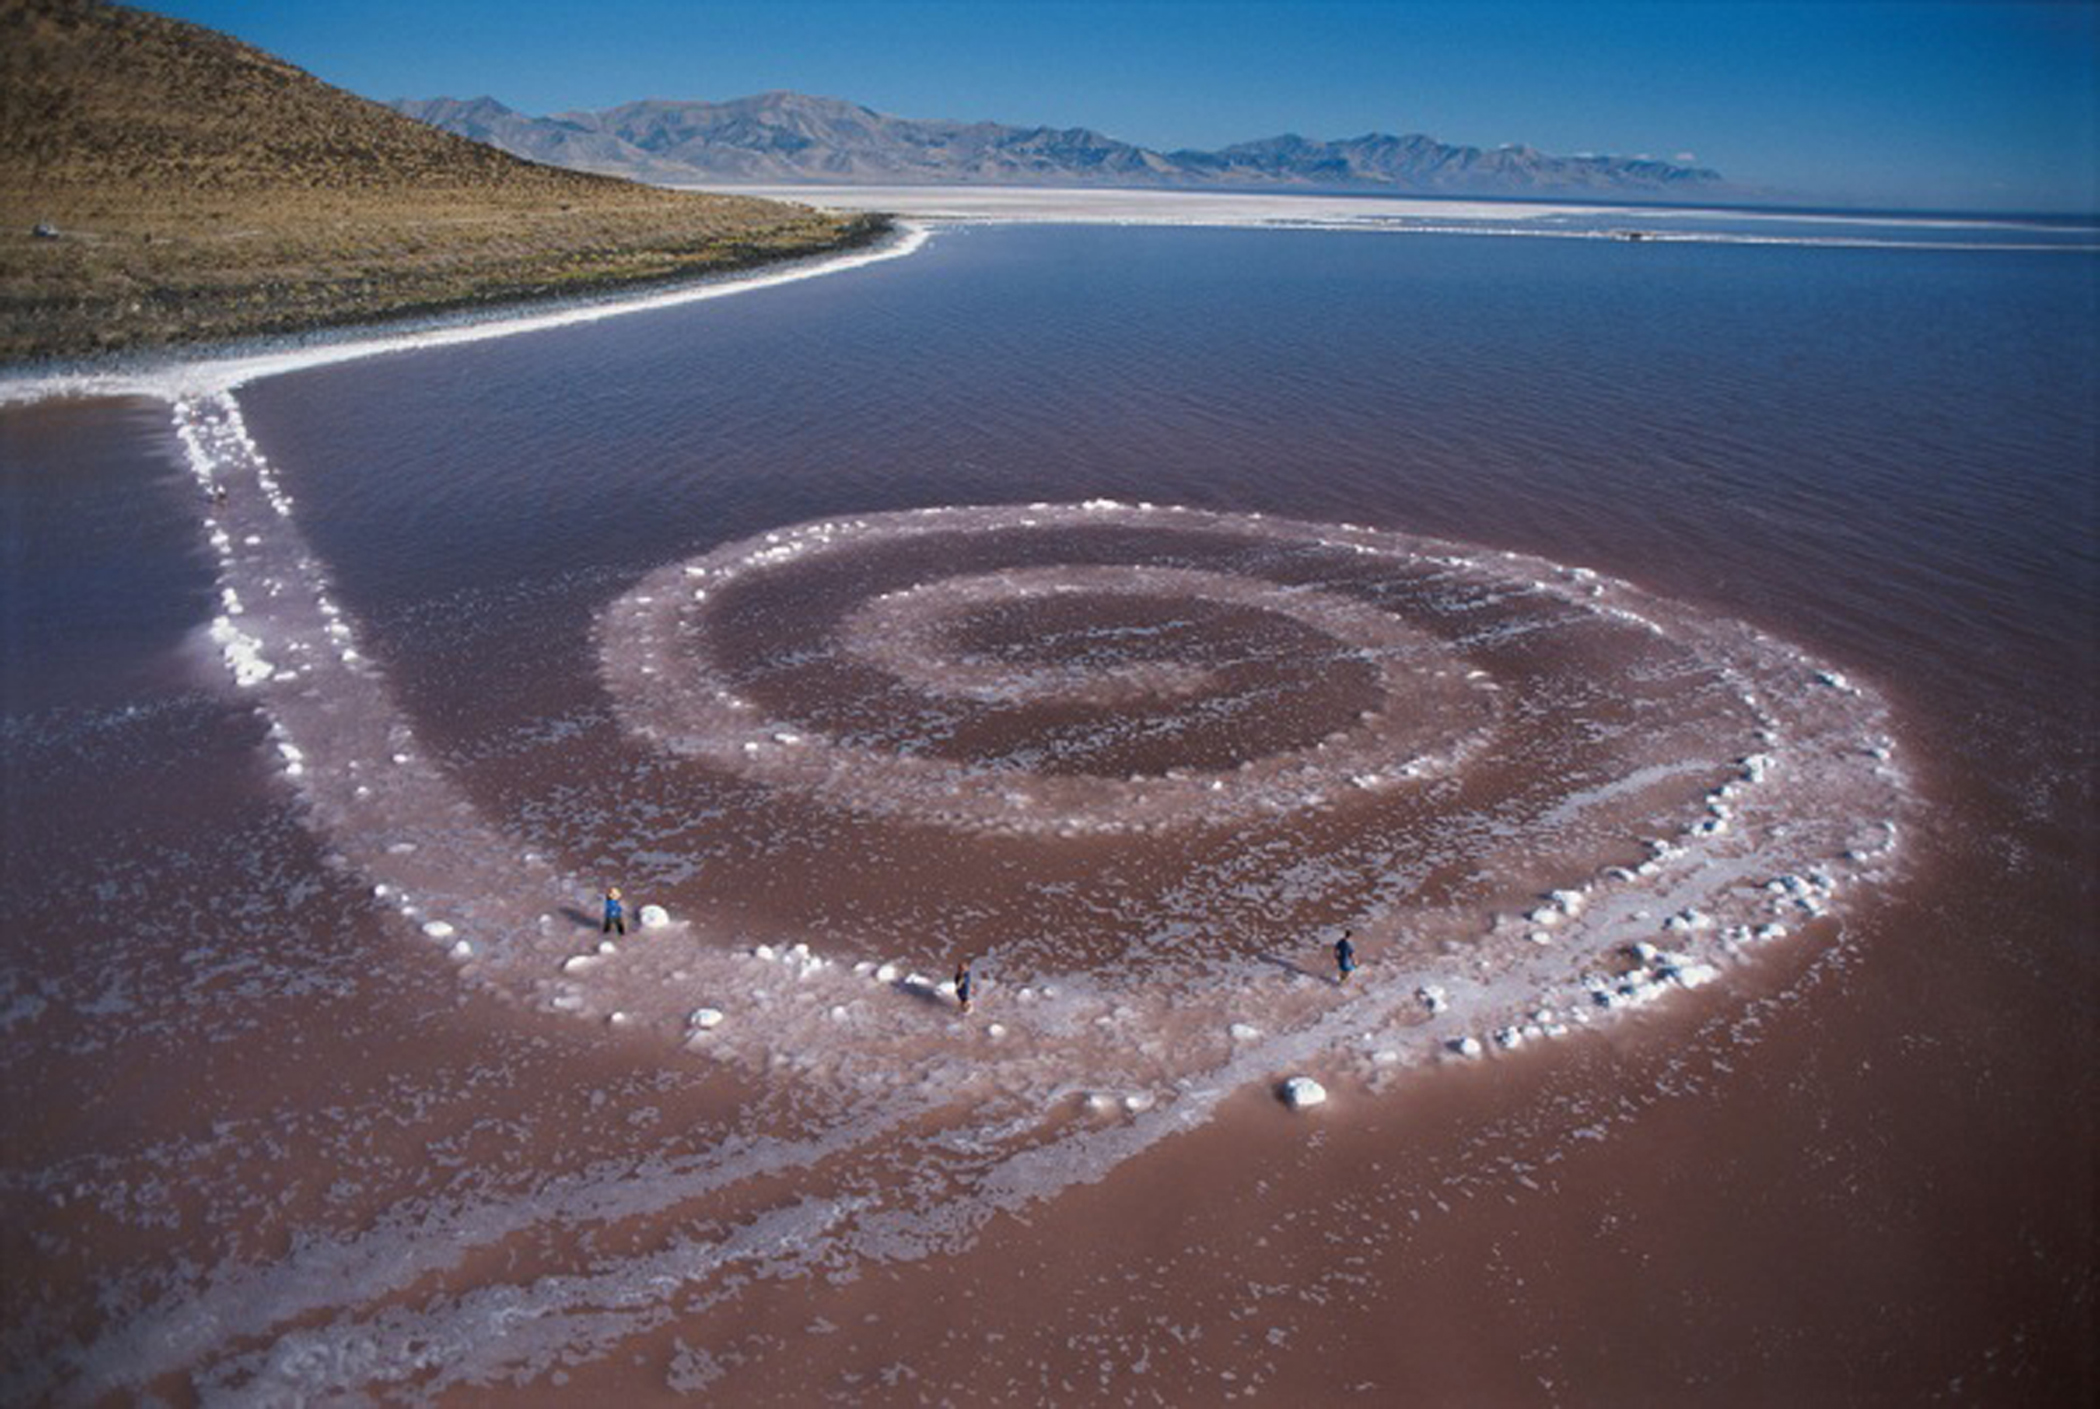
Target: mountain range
<point x="791" y="137"/>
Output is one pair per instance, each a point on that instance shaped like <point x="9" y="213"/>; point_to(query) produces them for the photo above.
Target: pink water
<point x="307" y="1097"/>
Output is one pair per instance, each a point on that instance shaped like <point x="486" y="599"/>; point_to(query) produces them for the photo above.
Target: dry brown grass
<point x="205" y="190"/>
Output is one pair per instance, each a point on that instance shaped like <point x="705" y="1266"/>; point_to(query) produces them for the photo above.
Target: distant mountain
<point x="789" y="137"/>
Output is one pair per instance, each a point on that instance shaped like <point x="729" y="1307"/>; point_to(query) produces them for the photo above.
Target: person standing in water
<point x="962" y="984"/>
<point x="615" y="913"/>
<point x="1344" y="957"/>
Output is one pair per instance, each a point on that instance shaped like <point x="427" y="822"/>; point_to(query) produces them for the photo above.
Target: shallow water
<point x="272" y="1132"/>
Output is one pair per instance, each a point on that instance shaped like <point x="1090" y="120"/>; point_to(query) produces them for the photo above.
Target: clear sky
<point x="1920" y="103"/>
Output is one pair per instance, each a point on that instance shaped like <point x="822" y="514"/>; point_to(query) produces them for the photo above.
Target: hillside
<point x="202" y="189"/>
<point x="790" y="137"/>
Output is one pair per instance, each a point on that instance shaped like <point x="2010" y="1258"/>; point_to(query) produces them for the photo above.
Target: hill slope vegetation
<point x="161" y="182"/>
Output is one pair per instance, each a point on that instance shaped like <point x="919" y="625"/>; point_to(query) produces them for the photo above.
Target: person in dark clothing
<point x="1344" y="957"/>
<point x="615" y="913"/>
<point x="962" y="984"/>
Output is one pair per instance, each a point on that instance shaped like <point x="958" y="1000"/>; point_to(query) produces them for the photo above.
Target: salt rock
<point x="705" y="1018"/>
<point x="653" y="917"/>
<point x="1244" y="1032"/>
<point x="1302" y="1091"/>
<point x="1694" y="975"/>
<point x="438" y="929"/>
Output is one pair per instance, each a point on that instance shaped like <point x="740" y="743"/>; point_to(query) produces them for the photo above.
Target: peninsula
<point x="161" y="183"/>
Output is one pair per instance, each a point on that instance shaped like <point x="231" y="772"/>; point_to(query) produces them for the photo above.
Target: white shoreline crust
<point x="175" y="377"/>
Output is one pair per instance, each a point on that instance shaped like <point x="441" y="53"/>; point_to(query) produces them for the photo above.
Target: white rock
<point x="1694" y="975"/>
<point x="886" y="973"/>
<point x="1302" y="1091"/>
<point x="1244" y="1032"/>
<point x="1466" y="1046"/>
<point x="705" y="1018"/>
<point x="438" y="929"/>
<point x="653" y="917"/>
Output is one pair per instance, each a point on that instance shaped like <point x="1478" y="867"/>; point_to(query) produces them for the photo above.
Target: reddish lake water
<point x="1494" y="562"/>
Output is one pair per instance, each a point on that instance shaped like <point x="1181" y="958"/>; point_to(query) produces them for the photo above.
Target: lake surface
<point x="1672" y="660"/>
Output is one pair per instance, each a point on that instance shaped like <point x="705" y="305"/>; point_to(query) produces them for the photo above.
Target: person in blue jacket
<point x="615" y="913"/>
<point x="1344" y="957"/>
<point x="962" y="984"/>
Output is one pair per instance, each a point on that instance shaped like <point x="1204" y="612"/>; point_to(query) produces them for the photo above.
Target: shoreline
<point x="1416" y="215"/>
<point x="908" y="216"/>
<point x="170" y="373"/>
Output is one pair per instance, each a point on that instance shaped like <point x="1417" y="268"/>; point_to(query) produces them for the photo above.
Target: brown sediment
<point x="162" y="184"/>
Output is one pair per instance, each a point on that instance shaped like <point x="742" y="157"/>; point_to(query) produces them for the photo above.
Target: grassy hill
<point x="202" y="189"/>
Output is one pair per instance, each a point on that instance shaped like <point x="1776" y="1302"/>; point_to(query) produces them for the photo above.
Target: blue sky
<point x="1906" y="102"/>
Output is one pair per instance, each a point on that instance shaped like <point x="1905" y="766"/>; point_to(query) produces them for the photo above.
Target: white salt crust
<point x="1058" y="1077"/>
